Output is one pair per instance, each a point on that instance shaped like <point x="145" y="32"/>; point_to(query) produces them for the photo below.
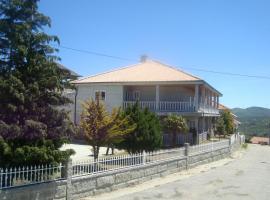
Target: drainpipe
<point x="75" y="106"/>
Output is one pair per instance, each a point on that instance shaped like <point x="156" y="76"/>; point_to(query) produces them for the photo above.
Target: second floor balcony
<point x="170" y="99"/>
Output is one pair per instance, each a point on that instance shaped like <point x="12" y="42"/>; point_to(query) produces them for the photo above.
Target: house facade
<point x="161" y="88"/>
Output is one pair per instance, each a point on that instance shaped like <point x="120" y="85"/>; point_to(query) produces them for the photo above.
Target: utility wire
<point x="187" y="68"/>
<point x="228" y="73"/>
<point x="96" y="53"/>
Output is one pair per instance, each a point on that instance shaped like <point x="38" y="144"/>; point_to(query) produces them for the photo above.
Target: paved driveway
<point x="247" y="177"/>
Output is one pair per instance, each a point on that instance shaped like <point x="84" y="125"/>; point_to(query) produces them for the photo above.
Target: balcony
<point x="165" y="99"/>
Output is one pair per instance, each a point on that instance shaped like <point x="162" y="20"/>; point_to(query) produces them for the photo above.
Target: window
<point x="136" y="95"/>
<point x="100" y="95"/>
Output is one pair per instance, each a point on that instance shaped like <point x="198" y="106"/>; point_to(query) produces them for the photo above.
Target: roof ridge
<point x="177" y="69"/>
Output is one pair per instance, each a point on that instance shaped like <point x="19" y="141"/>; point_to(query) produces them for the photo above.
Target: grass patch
<point x="244" y="146"/>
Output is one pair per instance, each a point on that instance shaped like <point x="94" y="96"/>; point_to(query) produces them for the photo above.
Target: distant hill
<point x="254" y="120"/>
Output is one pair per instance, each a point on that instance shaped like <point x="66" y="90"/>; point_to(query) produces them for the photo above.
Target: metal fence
<point x="209" y="147"/>
<point x="181" y="139"/>
<point x="101" y="165"/>
<point x="18" y="176"/>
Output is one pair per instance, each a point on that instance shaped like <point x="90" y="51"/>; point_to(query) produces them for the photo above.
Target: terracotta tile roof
<point x="259" y="140"/>
<point x="147" y="71"/>
<point x="222" y="107"/>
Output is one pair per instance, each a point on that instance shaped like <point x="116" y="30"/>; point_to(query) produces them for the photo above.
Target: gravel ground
<point x="246" y="175"/>
<point x="84" y="152"/>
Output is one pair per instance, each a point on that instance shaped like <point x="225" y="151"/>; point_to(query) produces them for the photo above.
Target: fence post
<point x="230" y="144"/>
<point x="143" y="157"/>
<point x="187" y="154"/>
<point x="68" y="175"/>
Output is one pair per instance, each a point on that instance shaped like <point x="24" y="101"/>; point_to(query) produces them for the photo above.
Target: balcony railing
<point x="164" y="106"/>
<point x="172" y="106"/>
<point x="208" y="109"/>
<point x="151" y="105"/>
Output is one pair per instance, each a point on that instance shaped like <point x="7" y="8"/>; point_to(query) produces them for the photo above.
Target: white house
<point x="160" y="87"/>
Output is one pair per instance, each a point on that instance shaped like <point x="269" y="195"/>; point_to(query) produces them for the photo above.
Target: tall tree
<point x="32" y="127"/>
<point x="147" y="134"/>
<point x="176" y="124"/>
<point x="101" y="128"/>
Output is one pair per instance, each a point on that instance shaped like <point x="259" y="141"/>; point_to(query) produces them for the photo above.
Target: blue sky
<point x="221" y="35"/>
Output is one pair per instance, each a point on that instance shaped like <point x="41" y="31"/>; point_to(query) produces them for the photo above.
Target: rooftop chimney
<point x="143" y="58"/>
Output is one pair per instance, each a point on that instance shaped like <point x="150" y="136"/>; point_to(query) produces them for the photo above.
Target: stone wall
<point x="91" y="185"/>
<point x="50" y="190"/>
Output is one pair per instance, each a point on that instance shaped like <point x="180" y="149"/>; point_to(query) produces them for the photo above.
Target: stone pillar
<point x="157" y="97"/>
<point x="187" y="154"/>
<point x="186" y="149"/>
<point x="68" y="175"/>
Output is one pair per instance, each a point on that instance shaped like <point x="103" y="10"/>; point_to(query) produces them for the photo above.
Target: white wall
<point x="113" y="96"/>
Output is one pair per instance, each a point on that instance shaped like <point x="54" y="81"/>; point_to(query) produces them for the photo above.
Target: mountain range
<point x="254" y="120"/>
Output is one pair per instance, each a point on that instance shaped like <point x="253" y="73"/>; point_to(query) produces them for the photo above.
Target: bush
<point x="147" y="134"/>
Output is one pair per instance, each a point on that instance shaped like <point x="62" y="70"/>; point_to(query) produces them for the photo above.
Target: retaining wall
<point x="91" y="185"/>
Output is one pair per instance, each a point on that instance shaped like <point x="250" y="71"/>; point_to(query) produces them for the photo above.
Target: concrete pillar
<point x="196" y="120"/>
<point x="203" y="123"/>
<point x="215" y="101"/>
<point x="203" y="95"/>
<point x="196" y="97"/>
<point x="186" y="145"/>
<point x="157" y="97"/>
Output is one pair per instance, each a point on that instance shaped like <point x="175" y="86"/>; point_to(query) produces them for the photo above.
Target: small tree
<point x="228" y="122"/>
<point x="175" y="124"/>
<point x="220" y="127"/>
<point x="147" y="134"/>
<point x="100" y="128"/>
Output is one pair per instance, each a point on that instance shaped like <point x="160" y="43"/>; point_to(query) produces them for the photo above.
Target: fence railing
<point x="18" y="176"/>
<point x="101" y="165"/>
<point x="181" y="139"/>
<point x="209" y="147"/>
<point x="14" y="177"/>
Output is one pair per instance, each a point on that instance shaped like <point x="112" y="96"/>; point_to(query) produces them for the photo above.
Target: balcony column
<point x="157" y="97"/>
<point x="196" y="97"/>
<point x="215" y="101"/>
<point x="203" y="95"/>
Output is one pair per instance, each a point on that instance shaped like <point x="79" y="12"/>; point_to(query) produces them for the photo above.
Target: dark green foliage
<point x="32" y="128"/>
<point x="228" y="122"/>
<point x="220" y="127"/>
<point x="254" y="120"/>
<point x="147" y="134"/>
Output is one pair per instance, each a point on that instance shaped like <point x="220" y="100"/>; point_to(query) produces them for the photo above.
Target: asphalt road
<point x="247" y="177"/>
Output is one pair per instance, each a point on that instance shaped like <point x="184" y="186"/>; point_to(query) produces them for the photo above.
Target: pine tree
<point x="147" y="134"/>
<point x="32" y="127"/>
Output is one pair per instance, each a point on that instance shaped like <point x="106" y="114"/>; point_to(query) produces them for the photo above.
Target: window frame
<point x="100" y="91"/>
